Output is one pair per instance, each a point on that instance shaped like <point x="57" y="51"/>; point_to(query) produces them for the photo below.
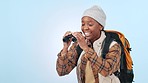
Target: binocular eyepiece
<point x="67" y="38"/>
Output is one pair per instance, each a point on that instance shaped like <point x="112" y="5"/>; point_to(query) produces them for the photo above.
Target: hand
<point x="81" y="40"/>
<point x="67" y="44"/>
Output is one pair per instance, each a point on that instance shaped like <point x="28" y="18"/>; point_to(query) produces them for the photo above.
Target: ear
<point x="101" y="28"/>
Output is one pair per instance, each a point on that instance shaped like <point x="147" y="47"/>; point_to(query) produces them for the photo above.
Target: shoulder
<point x="115" y="46"/>
<point x="113" y="43"/>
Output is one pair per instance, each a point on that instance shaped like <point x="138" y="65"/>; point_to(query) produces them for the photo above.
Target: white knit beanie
<point x="96" y="13"/>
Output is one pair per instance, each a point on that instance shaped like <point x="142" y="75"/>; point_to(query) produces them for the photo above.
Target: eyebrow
<point x="87" y="21"/>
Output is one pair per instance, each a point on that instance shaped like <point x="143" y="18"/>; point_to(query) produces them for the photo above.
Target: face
<point x="91" y="28"/>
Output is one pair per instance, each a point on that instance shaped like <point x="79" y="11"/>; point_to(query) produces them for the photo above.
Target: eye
<point x="83" y="24"/>
<point x="90" y="24"/>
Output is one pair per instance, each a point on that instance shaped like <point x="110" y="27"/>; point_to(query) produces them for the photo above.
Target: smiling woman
<point x="91" y="67"/>
<point x="31" y="33"/>
<point x="91" y="28"/>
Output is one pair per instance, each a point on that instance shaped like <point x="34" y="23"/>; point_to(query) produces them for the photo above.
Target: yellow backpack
<point x="125" y="74"/>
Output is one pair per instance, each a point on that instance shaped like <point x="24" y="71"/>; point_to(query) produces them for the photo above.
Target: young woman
<point x="91" y="67"/>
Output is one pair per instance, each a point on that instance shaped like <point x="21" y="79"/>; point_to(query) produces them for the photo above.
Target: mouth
<point x="87" y="34"/>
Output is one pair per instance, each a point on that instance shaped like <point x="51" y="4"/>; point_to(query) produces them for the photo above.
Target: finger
<point x="67" y="33"/>
<point x="80" y="36"/>
<point x="76" y="33"/>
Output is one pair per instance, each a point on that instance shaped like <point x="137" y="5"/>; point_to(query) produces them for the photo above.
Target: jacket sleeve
<point x="105" y="66"/>
<point x="66" y="63"/>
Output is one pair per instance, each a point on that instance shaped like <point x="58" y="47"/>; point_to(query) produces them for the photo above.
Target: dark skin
<point x="91" y="30"/>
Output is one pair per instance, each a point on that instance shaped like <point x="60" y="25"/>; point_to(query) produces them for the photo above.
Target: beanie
<point x="97" y="14"/>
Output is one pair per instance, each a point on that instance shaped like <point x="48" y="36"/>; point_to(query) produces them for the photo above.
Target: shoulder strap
<point x="110" y="37"/>
<point x="106" y="43"/>
<point x="79" y="51"/>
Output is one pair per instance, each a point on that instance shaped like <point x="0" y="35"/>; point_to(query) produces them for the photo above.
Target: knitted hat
<point x="96" y="13"/>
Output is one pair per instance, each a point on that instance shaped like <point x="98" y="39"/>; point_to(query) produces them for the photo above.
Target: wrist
<point x="86" y="49"/>
<point x="89" y="53"/>
<point x="65" y="49"/>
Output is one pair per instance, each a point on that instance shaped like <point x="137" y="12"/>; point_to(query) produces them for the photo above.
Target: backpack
<point x="125" y="74"/>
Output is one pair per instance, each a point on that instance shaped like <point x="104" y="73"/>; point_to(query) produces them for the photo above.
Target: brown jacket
<point x="100" y="67"/>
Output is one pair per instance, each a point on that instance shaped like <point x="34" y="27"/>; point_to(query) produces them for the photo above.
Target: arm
<point x="105" y="66"/>
<point x="66" y="62"/>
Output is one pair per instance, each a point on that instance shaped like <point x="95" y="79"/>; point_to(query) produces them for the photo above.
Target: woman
<point x="91" y="67"/>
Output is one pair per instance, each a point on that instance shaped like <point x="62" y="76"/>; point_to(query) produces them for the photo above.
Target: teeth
<point x="87" y="34"/>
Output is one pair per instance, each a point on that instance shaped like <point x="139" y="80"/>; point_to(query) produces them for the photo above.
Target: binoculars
<point x="67" y="38"/>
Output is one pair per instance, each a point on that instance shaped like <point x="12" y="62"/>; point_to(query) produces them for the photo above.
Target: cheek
<point x="96" y="31"/>
<point x="81" y="28"/>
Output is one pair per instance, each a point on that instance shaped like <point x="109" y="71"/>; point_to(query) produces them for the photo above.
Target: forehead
<point x="87" y="19"/>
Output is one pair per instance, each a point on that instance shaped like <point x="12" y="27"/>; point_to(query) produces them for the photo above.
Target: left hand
<point x="81" y="40"/>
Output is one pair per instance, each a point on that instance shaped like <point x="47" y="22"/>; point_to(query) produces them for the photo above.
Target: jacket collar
<point x="98" y="43"/>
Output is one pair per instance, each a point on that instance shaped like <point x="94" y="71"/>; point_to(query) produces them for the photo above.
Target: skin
<point x="91" y="30"/>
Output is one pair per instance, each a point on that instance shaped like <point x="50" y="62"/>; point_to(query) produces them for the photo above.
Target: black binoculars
<point x="67" y="38"/>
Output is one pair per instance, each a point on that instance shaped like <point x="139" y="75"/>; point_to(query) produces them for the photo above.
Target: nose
<point x="85" y="27"/>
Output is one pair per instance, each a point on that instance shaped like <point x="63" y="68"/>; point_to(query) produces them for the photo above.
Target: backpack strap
<point x="110" y="37"/>
<point x="79" y="51"/>
<point x="105" y="46"/>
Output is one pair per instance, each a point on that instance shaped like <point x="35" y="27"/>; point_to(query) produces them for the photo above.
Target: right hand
<point x="67" y="44"/>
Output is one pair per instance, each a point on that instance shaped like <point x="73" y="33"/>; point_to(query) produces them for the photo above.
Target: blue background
<point x="31" y="36"/>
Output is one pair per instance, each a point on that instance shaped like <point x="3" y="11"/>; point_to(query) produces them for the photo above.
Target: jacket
<point x="91" y="67"/>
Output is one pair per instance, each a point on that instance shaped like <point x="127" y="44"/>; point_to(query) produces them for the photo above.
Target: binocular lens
<point x="67" y="38"/>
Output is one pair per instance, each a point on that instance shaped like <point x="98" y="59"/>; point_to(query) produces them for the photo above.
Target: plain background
<point x="31" y="34"/>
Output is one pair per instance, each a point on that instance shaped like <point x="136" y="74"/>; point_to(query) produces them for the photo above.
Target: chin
<point x="89" y="38"/>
